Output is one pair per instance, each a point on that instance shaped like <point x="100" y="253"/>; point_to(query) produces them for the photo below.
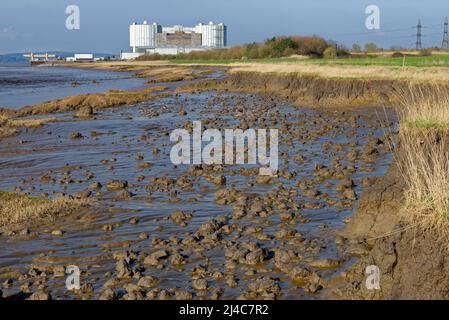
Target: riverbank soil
<point x="412" y="260"/>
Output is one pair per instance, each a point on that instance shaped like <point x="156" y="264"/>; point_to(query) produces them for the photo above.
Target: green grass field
<point x="409" y="61"/>
<point x="222" y="61"/>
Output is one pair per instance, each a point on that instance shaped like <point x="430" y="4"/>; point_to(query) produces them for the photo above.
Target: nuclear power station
<point x="154" y="38"/>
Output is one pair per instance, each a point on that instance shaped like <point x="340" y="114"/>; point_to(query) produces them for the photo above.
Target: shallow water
<point x="123" y="133"/>
<point x="21" y="84"/>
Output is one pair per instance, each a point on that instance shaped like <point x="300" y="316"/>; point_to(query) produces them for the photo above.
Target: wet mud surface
<point x="160" y="231"/>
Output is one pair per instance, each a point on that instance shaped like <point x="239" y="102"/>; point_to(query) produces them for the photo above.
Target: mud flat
<point x="411" y="260"/>
<point x="188" y="232"/>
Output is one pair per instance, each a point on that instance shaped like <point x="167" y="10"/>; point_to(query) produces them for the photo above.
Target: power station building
<point x="153" y="38"/>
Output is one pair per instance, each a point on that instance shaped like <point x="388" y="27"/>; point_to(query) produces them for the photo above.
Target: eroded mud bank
<point x="314" y="91"/>
<point x="413" y="264"/>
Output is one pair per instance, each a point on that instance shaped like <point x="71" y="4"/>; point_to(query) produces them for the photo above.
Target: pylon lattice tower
<point x="418" y="36"/>
<point x="445" y="44"/>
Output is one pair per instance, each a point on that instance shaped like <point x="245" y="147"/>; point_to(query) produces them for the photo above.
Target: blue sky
<point x="32" y="25"/>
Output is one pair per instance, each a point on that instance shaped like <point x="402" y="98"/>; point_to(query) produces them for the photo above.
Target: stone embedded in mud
<point x="124" y="194"/>
<point x="134" y="220"/>
<point x="178" y="259"/>
<point x="95" y="186"/>
<point x="76" y="135"/>
<point x="219" y="180"/>
<point x="183" y="295"/>
<point x="225" y="196"/>
<point x="46" y="178"/>
<point x="264" y="179"/>
<point x="286" y="256"/>
<point x="57" y="233"/>
<point x="209" y="227"/>
<point x="148" y="282"/>
<point x="84" y="194"/>
<point x="265" y="286"/>
<point x="155" y="258"/>
<point x="40" y="295"/>
<point x="108" y="294"/>
<point x="107" y="227"/>
<point x="300" y="275"/>
<point x="232" y="282"/>
<point x="144" y="165"/>
<point x="200" y="284"/>
<point x="180" y="216"/>
<point x="117" y="185"/>
<point x="143" y="236"/>
<point x="123" y="269"/>
<point x="311" y="193"/>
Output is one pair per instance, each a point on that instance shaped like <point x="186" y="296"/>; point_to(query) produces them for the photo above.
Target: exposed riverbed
<point x="198" y="231"/>
<point x="22" y="85"/>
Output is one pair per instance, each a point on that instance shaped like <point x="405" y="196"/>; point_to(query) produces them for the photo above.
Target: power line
<point x="418" y="36"/>
<point x="445" y="44"/>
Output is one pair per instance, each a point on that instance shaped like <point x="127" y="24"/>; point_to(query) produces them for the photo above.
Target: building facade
<point x="152" y="37"/>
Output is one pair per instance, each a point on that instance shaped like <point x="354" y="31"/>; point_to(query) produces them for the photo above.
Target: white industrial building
<point x="153" y="38"/>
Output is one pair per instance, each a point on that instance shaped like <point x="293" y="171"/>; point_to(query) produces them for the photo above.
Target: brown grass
<point x="110" y="99"/>
<point x="424" y="163"/>
<point x="424" y="106"/>
<point x="347" y="71"/>
<point x="10" y="127"/>
<point x="423" y="157"/>
<point x="17" y="208"/>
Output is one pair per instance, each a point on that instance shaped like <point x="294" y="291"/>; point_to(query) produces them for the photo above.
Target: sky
<point x="40" y="25"/>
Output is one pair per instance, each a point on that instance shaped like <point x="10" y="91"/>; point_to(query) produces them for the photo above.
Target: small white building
<point x="84" y="56"/>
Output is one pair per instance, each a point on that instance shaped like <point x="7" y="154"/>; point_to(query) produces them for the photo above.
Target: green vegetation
<point x="385" y="61"/>
<point x="426" y="124"/>
<point x="229" y="61"/>
<point x="275" y="47"/>
<point x="409" y="61"/>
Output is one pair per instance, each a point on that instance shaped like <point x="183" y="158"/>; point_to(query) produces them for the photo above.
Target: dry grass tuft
<point x="423" y="157"/>
<point x="6" y="130"/>
<point x="425" y="106"/>
<point x="423" y="160"/>
<point x="9" y="127"/>
<point x="16" y="208"/>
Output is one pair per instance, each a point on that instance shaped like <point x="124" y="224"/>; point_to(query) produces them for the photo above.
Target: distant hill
<point x="18" y="57"/>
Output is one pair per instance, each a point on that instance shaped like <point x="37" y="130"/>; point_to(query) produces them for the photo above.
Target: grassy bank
<point x="424" y="158"/>
<point x="18" y="208"/>
<point x="387" y="60"/>
<point x="10" y="127"/>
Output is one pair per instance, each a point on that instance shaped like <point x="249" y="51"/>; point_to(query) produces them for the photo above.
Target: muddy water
<point x="22" y="84"/>
<point x="108" y="149"/>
